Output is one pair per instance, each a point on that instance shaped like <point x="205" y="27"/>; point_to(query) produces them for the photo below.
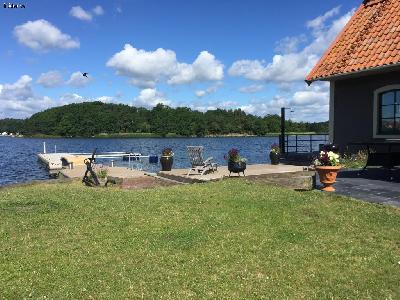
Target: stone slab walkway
<point x="374" y="185"/>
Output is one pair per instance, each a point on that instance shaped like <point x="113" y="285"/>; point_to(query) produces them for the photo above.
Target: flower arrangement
<point x="233" y="156"/>
<point x="327" y="158"/>
<point x="275" y="149"/>
<point x="167" y="152"/>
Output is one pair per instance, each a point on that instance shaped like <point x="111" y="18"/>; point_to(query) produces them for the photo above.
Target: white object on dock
<point x="54" y="161"/>
<point x="51" y="160"/>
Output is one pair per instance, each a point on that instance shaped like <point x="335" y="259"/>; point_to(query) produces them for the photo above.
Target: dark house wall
<point x="354" y="107"/>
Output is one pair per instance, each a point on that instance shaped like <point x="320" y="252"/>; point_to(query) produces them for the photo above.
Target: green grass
<point x="230" y="239"/>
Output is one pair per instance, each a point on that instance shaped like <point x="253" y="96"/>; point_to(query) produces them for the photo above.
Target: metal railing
<point x="305" y="143"/>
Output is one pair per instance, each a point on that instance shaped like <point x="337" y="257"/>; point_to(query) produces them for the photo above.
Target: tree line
<point x="93" y="118"/>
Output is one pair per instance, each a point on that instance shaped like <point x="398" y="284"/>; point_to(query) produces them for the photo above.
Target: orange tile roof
<point x="371" y="39"/>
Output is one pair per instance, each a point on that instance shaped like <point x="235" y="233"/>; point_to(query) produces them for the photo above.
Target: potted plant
<point x="167" y="159"/>
<point x="236" y="163"/>
<point x="275" y="154"/>
<point x="327" y="166"/>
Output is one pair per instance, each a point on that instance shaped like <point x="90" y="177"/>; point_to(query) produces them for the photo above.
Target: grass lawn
<point x="229" y="239"/>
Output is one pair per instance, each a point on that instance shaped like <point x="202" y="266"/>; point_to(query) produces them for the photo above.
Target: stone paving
<point x="251" y="170"/>
<point x="372" y="185"/>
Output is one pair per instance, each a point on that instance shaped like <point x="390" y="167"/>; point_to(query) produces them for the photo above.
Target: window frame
<point x="378" y="109"/>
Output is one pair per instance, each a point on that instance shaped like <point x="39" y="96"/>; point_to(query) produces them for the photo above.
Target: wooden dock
<point x="51" y="160"/>
<point x="58" y="161"/>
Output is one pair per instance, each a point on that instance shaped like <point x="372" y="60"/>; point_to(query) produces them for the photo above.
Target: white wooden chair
<point x="199" y="165"/>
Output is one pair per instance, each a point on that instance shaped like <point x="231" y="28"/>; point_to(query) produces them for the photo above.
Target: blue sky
<point x="202" y="54"/>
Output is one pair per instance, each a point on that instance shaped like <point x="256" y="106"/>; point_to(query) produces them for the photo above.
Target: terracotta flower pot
<point x="327" y="176"/>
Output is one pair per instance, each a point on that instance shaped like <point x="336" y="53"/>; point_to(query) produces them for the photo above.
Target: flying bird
<point x="85" y="75"/>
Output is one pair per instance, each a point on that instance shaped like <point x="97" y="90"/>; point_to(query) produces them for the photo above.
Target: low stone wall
<point x="296" y="180"/>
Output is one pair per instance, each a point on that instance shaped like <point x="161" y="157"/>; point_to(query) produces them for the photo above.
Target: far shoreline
<point x="150" y="135"/>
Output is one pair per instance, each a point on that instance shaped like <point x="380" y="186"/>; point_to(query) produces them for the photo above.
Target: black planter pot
<point x="274" y="157"/>
<point x="236" y="167"/>
<point x="166" y="163"/>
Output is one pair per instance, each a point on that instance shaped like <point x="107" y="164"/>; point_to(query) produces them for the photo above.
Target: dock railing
<point x="305" y="143"/>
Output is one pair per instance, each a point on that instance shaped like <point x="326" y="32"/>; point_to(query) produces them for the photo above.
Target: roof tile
<point x="371" y="39"/>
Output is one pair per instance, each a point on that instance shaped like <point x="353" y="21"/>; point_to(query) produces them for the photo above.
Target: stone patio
<point x="293" y="177"/>
<point x="251" y="170"/>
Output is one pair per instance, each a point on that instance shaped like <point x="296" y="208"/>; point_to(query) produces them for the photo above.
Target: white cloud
<point x="42" y="35"/>
<point x="310" y="97"/>
<point x="18" y="100"/>
<point x="146" y="68"/>
<point x="81" y="14"/>
<point x="76" y="98"/>
<point x="106" y="99"/>
<point x="283" y="68"/>
<point x="319" y="22"/>
<point x="209" y="90"/>
<point x="324" y="35"/>
<point x="309" y="104"/>
<point x="98" y="10"/>
<point x="71" y="98"/>
<point x="289" y="68"/>
<point x="200" y="93"/>
<point x="290" y="44"/>
<point x="213" y="105"/>
<point x="205" y="68"/>
<point x="50" y="79"/>
<point x="294" y="66"/>
<point x="78" y="80"/>
<point x="262" y="107"/>
<point x="250" y="89"/>
<point x="86" y="15"/>
<point x="150" y="98"/>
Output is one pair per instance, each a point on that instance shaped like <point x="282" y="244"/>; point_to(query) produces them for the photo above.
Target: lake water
<point x="19" y="163"/>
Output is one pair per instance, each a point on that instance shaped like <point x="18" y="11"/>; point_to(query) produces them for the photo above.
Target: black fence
<point x="304" y="143"/>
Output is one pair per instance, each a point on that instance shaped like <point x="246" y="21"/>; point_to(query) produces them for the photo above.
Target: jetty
<point x="59" y="161"/>
<point x="53" y="161"/>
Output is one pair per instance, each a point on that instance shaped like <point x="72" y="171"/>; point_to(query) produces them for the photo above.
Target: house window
<point x="389" y="112"/>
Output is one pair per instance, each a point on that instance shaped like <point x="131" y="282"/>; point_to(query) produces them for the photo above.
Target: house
<point x="363" y="68"/>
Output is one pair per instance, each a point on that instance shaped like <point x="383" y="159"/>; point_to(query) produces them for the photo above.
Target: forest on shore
<point x="97" y="118"/>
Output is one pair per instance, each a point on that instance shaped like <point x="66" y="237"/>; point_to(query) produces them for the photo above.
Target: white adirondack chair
<point x="199" y="165"/>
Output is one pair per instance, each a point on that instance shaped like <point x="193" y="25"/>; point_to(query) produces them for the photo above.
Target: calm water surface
<point x="18" y="156"/>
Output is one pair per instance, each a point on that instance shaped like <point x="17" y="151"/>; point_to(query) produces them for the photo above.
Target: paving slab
<point x="375" y="186"/>
<point x="223" y="172"/>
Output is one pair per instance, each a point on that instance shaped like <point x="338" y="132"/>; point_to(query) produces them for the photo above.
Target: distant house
<point x="363" y="68"/>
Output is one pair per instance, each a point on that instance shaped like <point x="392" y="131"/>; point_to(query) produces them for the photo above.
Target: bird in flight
<point x="85" y="75"/>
